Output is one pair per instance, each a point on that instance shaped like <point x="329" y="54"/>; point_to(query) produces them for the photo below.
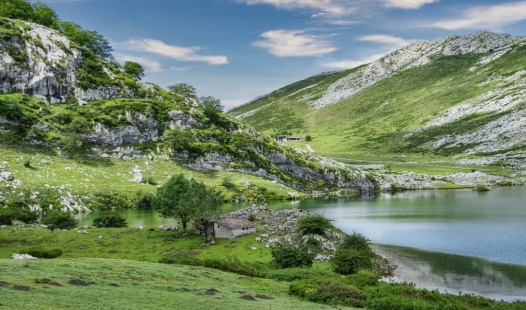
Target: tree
<point x="134" y="69"/>
<point x="183" y="89"/>
<point x="62" y="220"/>
<point x="211" y="103"/>
<point x="208" y="204"/>
<point x="174" y="199"/>
<point x="90" y="40"/>
<point x="16" y="9"/>
<point x="288" y="256"/>
<point x="313" y="224"/>
<point x="44" y="15"/>
<point x="349" y="261"/>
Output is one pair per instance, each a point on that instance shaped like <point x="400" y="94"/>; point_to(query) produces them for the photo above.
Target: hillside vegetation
<point x="459" y="96"/>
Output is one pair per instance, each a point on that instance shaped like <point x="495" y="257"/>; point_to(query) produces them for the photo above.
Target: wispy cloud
<point x="176" y="52"/>
<point x="334" y="7"/>
<point x="294" y="43"/>
<point x="352" y="63"/>
<point x="486" y="17"/>
<point x="408" y="4"/>
<point x="386" y="39"/>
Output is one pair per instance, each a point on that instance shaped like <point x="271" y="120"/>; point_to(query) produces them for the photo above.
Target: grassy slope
<point x="141" y="285"/>
<point x="373" y="122"/>
<point x="87" y="176"/>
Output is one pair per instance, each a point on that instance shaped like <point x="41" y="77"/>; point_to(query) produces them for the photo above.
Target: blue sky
<point x="236" y="50"/>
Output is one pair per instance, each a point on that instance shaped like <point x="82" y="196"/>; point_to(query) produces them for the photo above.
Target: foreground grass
<point x="125" y="284"/>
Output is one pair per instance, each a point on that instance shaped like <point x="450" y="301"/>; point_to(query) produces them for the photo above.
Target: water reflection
<point x="455" y="273"/>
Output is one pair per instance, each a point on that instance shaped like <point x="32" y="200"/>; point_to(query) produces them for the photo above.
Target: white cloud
<point x="386" y="40"/>
<point x="352" y="63"/>
<point x="232" y="103"/>
<point x="294" y="43"/>
<point x="333" y="7"/>
<point x="408" y="4"/>
<point x="172" y="51"/>
<point x="148" y="64"/>
<point x="486" y="17"/>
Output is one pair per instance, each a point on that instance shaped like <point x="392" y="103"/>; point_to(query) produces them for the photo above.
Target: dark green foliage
<point x="110" y="219"/>
<point x="313" y="224"/>
<point x="92" y="41"/>
<point x="349" y="261"/>
<point x="62" y="220"/>
<point x="211" y="103"/>
<point x="6" y="216"/>
<point x="252" y="217"/>
<point x="110" y="201"/>
<point x="11" y="109"/>
<point x="44" y="15"/>
<point x="18" y="210"/>
<point x="308" y="138"/>
<point x="16" y="9"/>
<point x="143" y="200"/>
<point x="134" y="69"/>
<point x="362" y="279"/>
<point x="329" y="291"/>
<point x="183" y="89"/>
<point x="356" y="241"/>
<point x="43" y="252"/>
<point x="207" y="203"/>
<point x="27" y="164"/>
<point x="287" y="256"/>
<point x="173" y="199"/>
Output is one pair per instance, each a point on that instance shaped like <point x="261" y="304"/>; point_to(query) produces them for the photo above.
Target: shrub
<point x="356" y="241"/>
<point x="62" y="220"/>
<point x="308" y="138"/>
<point x="6" y="216"/>
<point x="292" y="256"/>
<point x="18" y="210"/>
<point x="362" y="279"/>
<point x="349" y="261"/>
<point x="44" y="253"/>
<point x="27" y="164"/>
<point x="313" y="224"/>
<point x="293" y="274"/>
<point x="328" y="291"/>
<point x="252" y="217"/>
<point x="110" y="219"/>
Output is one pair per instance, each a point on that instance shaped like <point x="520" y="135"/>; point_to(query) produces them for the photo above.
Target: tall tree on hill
<point x="183" y="89"/>
<point x="134" y="69"/>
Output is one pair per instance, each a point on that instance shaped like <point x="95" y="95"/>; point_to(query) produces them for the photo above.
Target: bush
<point x="313" y="224"/>
<point x="349" y="261"/>
<point x="62" y="220"/>
<point x="293" y="274"/>
<point x="356" y="241"/>
<point x="44" y="253"/>
<point x="6" y="216"/>
<point x="328" y="291"/>
<point x="110" y="219"/>
<point x="308" y="138"/>
<point x="292" y="256"/>
<point x="362" y="279"/>
<point x="17" y="210"/>
<point x="27" y="164"/>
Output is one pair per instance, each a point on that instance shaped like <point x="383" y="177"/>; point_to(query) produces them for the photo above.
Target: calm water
<point x="459" y="241"/>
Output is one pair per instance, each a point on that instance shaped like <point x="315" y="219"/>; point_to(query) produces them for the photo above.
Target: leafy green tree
<point x="16" y="9"/>
<point x="62" y="220"/>
<point x="211" y="103"/>
<point x="90" y="40"/>
<point x="134" y="69"/>
<point x="207" y="202"/>
<point x="183" y="89"/>
<point x="349" y="261"/>
<point x="175" y="199"/>
<point x="44" y="15"/>
<point x="313" y="224"/>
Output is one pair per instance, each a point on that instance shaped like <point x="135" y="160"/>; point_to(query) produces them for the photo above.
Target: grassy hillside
<point x="124" y="284"/>
<point x="374" y="121"/>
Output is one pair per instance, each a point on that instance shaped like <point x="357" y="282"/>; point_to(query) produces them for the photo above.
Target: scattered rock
<point x="211" y="291"/>
<point x="21" y="287"/>
<point x="47" y="281"/>
<point x="261" y="296"/>
<point x="3" y="227"/>
<point x="248" y="297"/>
<point x="22" y="256"/>
<point x="78" y="282"/>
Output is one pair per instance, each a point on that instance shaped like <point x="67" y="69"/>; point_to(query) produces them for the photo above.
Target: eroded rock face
<point x="43" y="63"/>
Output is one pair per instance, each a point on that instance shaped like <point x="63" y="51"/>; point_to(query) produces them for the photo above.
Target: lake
<point x="460" y="241"/>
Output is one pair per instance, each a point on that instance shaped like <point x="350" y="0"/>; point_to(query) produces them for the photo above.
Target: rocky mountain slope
<point x="59" y="99"/>
<point x="460" y="96"/>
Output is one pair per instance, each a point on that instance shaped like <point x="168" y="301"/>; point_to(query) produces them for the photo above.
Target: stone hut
<point x="233" y="227"/>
